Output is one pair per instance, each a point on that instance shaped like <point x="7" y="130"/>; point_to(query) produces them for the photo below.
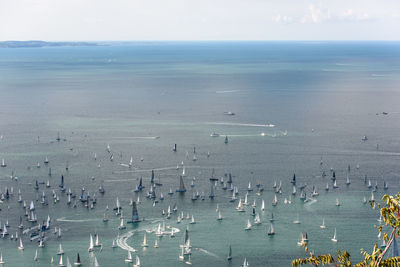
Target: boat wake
<point x="243" y="124"/>
<point x="63" y="219"/>
<point x="121" y="241"/>
<point x="226" y="91"/>
<point x="208" y="253"/>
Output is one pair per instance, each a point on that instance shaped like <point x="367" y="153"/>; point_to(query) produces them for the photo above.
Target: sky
<point x="131" y="20"/>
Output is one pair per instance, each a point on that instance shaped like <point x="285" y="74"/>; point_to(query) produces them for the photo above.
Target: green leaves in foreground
<point x="391" y="216"/>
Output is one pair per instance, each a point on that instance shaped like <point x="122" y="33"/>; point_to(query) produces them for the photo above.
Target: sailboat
<point x="137" y="262"/>
<point x="240" y="206"/>
<point x="275" y="201"/>
<point x="61" y="263"/>
<point x="144" y="244"/>
<point x="192" y="221"/>
<point x="219" y="216"/>
<point x="121" y="225"/>
<point x="337" y="202"/>
<point x="155" y="244"/>
<point x="271" y="229"/>
<point x="21" y="246"/>
<point x="229" y="253"/>
<point x="78" y="261"/>
<point x="297" y="221"/>
<point x="97" y="243"/>
<point x="262" y="205"/>
<point x="248" y="226"/>
<point x="245" y="263"/>
<point x="129" y="258"/>
<point x="3" y="163"/>
<point x="96" y="263"/>
<point x="35" y="258"/>
<point x="323" y="226"/>
<point x="2" y="261"/>
<point x="91" y="245"/>
<point x="334" y="239"/>
<point x="60" y="250"/>
<point x="181" y="188"/>
<point x="257" y="219"/>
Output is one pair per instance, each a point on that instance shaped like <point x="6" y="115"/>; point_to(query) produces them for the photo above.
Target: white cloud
<point x="283" y="19"/>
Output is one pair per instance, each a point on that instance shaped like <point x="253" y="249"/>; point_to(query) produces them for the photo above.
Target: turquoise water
<point x="321" y="97"/>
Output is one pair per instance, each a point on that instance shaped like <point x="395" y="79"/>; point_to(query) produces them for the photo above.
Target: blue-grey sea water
<point x="142" y="98"/>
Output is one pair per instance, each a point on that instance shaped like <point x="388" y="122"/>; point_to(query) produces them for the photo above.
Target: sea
<point x="286" y="108"/>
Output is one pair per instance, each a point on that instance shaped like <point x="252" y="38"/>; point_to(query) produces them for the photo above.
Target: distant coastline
<point x="27" y="44"/>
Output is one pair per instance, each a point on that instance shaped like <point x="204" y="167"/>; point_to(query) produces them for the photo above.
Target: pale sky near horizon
<point x="95" y="20"/>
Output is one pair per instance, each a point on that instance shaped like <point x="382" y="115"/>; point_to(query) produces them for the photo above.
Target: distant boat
<point x="137" y="262"/>
<point x="61" y="263"/>
<point x="96" y="263"/>
<point x="192" y="221"/>
<point x="3" y="163"/>
<point x="21" y="246"/>
<point x="181" y="188"/>
<point x="35" y="258"/>
<point x="174" y="148"/>
<point x="144" y="244"/>
<point x="262" y="205"/>
<point x="129" y="258"/>
<point x="219" y="216"/>
<point x="229" y="253"/>
<point x="2" y="261"/>
<point x="271" y="230"/>
<point x="323" y="226"/>
<point x="214" y="134"/>
<point x="297" y="221"/>
<point x="60" y="250"/>
<point x="364" y="138"/>
<point x="78" y="260"/>
<point x="155" y="244"/>
<point x="226" y="139"/>
<point x="245" y="263"/>
<point x="337" y="202"/>
<point x="248" y="225"/>
<point x="230" y="113"/>
<point x="334" y="239"/>
<point x="91" y="244"/>
<point x="275" y="201"/>
<point x="348" y="179"/>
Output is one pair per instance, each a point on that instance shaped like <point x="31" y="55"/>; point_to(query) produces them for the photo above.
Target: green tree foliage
<point x="391" y="216"/>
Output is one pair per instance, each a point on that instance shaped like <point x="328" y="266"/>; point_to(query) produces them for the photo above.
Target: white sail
<point x="334" y="239"/>
<point x="91" y="245"/>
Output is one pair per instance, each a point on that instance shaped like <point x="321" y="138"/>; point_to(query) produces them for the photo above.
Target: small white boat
<point x="219" y="216"/>
<point x="192" y="221"/>
<point x="323" y="226"/>
<point x="129" y="258"/>
<point x="137" y="262"/>
<point x="337" y="202"/>
<point x="271" y="230"/>
<point x="144" y="244"/>
<point x="21" y="246"/>
<point x="263" y="205"/>
<point x="155" y="244"/>
<point x="2" y="261"/>
<point x="297" y="221"/>
<point x="275" y="201"/>
<point x="334" y="239"/>
<point x="35" y="258"/>
<point x="248" y="226"/>
<point x="60" y="250"/>
<point x="61" y="263"/>
<point x="91" y="244"/>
